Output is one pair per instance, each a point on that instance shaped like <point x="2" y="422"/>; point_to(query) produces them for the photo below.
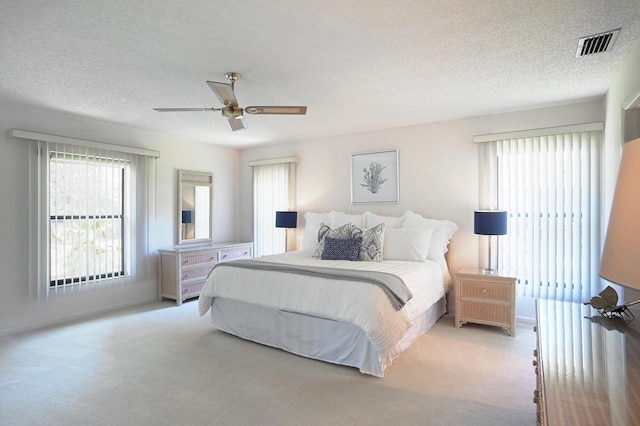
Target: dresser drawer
<point x="485" y="290"/>
<point x="199" y="258"/>
<point x="194" y="274"/>
<point x="490" y="312"/>
<point x="192" y="289"/>
<point x="233" y="254"/>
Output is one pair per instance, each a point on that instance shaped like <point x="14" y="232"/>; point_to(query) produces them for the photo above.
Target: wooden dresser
<point x="587" y="366"/>
<point x="485" y="298"/>
<point x="184" y="270"/>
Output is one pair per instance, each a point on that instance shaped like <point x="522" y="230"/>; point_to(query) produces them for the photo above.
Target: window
<point x="87" y="216"/>
<point x="274" y="189"/>
<point x="92" y="214"/>
<point x="549" y="185"/>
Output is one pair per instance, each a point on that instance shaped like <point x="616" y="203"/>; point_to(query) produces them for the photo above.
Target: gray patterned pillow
<point x="372" y="243"/>
<point x="343" y="232"/>
<point x="341" y="248"/>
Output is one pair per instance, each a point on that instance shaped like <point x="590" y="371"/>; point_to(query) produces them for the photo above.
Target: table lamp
<point x="287" y="220"/>
<point x="490" y="223"/>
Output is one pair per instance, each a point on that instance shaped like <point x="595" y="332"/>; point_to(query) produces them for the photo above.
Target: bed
<point x="362" y="313"/>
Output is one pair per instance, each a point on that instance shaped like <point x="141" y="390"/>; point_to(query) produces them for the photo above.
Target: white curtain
<point x="549" y="185"/>
<point x="274" y="189"/>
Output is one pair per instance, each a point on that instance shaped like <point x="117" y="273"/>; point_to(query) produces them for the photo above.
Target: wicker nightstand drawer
<point x="485" y="290"/>
<point x="488" y="312"/>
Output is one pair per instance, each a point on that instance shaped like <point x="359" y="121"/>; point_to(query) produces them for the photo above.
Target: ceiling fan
<point x="231" y="111"/>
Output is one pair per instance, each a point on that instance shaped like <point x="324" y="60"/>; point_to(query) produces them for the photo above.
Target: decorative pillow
<point x="342" y="232"/>
<point x="340" y="218"/>
<point x="407" y="243"/>
<point x="341" y="248"/>
<point x="443" y="230"/>
<point x="372" y="219"/>
<point x="372" y="243"/>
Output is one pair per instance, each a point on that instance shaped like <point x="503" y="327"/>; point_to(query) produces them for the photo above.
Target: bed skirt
<point x="312" y="337"/>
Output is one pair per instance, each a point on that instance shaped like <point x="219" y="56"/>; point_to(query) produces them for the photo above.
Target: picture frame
<point x="374" y="177"/>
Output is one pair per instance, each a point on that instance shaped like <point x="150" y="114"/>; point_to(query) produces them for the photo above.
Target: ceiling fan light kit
<point x="231" y="111"/>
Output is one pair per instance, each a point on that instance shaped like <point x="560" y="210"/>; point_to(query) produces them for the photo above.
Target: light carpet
<point x="164" y="365"/>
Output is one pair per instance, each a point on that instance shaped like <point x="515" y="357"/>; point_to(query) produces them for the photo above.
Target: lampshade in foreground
<point x="621" y="255"/>
<point x="286" y="219"/>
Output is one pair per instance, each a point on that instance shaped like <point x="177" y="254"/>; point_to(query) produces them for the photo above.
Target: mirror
<point x="195" y="201"/>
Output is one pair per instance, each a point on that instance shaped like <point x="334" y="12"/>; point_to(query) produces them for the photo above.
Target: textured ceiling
<point x="358" y="65"/>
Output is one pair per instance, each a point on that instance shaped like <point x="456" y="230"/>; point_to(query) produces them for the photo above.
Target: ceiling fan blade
<point x="184" y="109"/>
<point x="289" y="110"/>
<point x="224" y="92"/>
<point x="237" y="123"/>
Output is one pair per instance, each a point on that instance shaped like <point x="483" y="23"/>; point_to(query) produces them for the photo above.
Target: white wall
<point x="438" y="170"/>
<point x="17" y="310"/>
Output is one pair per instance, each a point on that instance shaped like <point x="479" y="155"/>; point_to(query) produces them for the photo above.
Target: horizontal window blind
<point x="549" y="185"/>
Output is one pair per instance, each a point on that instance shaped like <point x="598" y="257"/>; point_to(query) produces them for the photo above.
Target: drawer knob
<point x="186" y="262"/>
<point x="535" y="363"/>
<point x="185" y="276"/>
<point x="535" y="353"/>
<point x="535" y="328"/>
<point x="484" y="290"/>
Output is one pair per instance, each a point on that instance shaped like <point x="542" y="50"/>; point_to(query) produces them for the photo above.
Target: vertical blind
<point x="87" y="213"/>
<point x="550" y="186"/>
<point x="273" y="190"/>
<point x="92" y="212"/>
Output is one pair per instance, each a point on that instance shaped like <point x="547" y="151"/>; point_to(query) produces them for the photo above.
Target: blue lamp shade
<point x="286" y="219"/>
<point x="490" y="222"/>
<point x="186" y="216"/>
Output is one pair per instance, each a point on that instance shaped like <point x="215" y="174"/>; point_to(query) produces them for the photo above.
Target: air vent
<point x="597" y="43"/>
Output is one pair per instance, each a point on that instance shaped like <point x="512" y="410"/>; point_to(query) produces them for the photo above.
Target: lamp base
<point x="489" y="271"/>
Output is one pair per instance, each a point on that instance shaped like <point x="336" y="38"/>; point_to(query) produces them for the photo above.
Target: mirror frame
<point x="197" y="179"/>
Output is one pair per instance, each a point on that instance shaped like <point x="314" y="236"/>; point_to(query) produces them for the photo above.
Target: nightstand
<point x="485" y="298"/>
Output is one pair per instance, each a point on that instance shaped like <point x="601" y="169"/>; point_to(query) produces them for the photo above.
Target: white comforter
<point x="362" y="304"/>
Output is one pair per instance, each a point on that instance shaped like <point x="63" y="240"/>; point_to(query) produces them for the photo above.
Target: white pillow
<point x="406" y="244"/>
<point x="443" y="230"/>
<point x="371" y="220"/>
<point x="310" y="238"/>
<point x="311" y="218"/>
<point x="339" y="219"/>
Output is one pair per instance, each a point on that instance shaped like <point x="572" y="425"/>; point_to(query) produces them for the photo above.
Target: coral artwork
<point x="373" y="179"/>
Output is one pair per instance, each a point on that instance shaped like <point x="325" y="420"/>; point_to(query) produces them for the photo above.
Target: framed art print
<point x="374" y="177"/>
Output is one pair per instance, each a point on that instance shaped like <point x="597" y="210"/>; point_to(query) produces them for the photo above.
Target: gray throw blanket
<point x="392" y="285"/>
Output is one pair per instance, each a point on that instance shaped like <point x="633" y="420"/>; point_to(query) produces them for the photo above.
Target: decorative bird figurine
<point x="607" y="304"/>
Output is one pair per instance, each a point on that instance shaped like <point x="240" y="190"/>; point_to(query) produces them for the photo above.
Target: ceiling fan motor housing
<point x="232" y="112"/>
